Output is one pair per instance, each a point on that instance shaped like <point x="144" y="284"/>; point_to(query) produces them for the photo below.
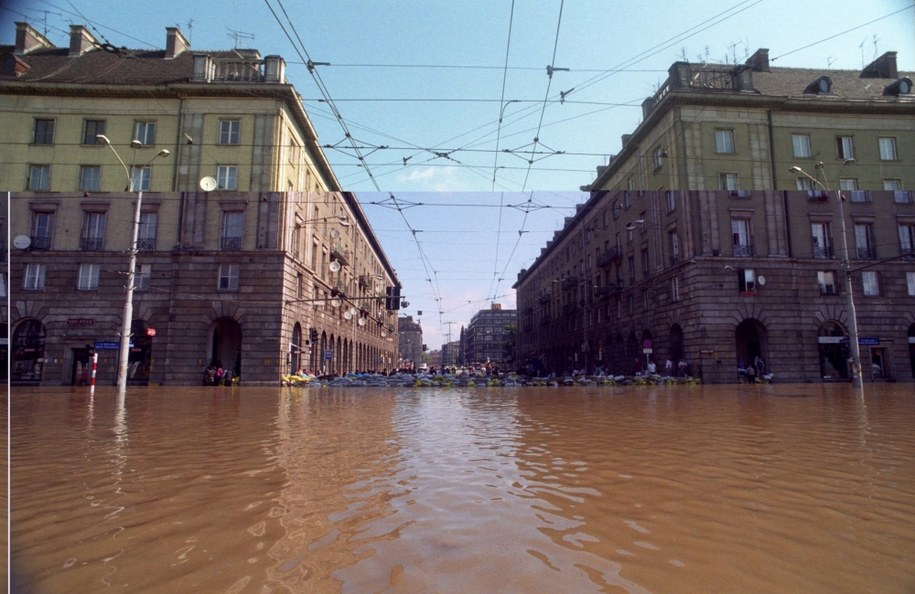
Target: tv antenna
<point x="239" y="35"/>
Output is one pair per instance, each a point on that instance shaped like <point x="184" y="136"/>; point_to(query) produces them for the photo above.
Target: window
<point x="42" y="225"/>
<point x="906" y="239"/>
<point x="724" y="141"/>
<point x="89" y="178"/>
<point x="228" y="277"/>
<point x="658" y="158"/>
<point x="44" y="132"/>
<point x="727" y="181"/>
<point x="88" y="277"/>
<point x="91" y="129"/>
<point x="887" y="148"/>
<point x="746" y="280"/>
<point x="233" y="228"/>
<point x="675" y="289"/>
<point x="910" y="283"/>
<point x="674" y="241"/>
<point x="801" y="146"/>
<point x="39" y="178"/>
<point x="864" y="241"/>
<point x="740" y="237"/>
<point x="848" y="184"/>
<point x="860" y="196"/>
<point x="146" y="233"/>
<point x="869" y="280"/>
<point x="228" y="131"/>
<point x="804" y="183"/>
<point x="827" y="282"/>
<point x="143" y="277"/>
<point x="93" y="237"/>
<point x="646" y="268"/>
<point x="671" y="201"/>
<point x="227" y="177"/>
<point x="145" y="132"/>
<point x="34" y="277"/>
<point x="845" y="147"/>
<point x="2" y="284"/>
<point x="140" y="178"/>
<point x="822" y="246"/>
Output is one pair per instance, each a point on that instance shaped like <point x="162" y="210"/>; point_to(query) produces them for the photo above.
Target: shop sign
<point x="78" y="322"/>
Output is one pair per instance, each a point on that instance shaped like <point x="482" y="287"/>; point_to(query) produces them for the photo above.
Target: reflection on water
<point x="642" y="489"/>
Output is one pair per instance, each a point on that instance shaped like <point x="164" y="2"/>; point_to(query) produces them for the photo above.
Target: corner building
<point x="737" y="249"/>
<point x="249" y="254"/>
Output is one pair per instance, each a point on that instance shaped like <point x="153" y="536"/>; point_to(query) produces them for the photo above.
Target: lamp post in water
<point x="132" y="185"/>
<point x="855" y="349"/>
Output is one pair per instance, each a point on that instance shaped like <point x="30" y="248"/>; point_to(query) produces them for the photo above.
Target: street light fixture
<point x="855" y="363"/>
<point x="124" y="352"/>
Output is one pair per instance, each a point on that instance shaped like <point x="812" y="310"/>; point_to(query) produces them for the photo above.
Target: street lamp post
<point x="124" y="352"/>
<point x="855" y="362"/>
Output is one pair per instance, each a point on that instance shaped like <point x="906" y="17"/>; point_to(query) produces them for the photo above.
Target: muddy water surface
<point x="640" y="489"/>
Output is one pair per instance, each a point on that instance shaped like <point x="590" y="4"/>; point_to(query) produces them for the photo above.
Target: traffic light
<point x="392" y="298"/>
<point x="313" y="335"/>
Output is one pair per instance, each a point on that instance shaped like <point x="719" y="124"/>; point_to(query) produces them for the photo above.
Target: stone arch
<point x="226" y="344"/>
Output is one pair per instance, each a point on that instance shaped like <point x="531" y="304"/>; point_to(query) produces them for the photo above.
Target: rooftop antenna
<point x="829" y="62"/>
<point x="875" y="47"/>
<point x="239" y="35"/>
<point x="190" y="31"/>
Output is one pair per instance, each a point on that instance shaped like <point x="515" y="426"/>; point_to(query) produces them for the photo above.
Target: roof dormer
<point x="903" y="86"/>
<point x="821" y="86"/>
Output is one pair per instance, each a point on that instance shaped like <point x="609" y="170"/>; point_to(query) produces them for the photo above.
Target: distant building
<point x="451" y="353"/>
<point x="716" y="235"/>
<point x="489" y="335"/>
<point x="245" y="239"/>
<point x="410" y="342"/>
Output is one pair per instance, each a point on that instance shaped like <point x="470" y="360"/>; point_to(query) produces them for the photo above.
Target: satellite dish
<point x="334" y="266"/>
<point x="208" y="184"/>
<point x="761" y="280"/>
<point x="22" y="242"/>
<point x="348" y="315"/>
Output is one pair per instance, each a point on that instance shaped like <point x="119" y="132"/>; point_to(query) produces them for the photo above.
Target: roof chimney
<point x="81" y="41"/>
<point x="28" y="39"/>
<point x="175" y="43"/>
<point x="759" y="61"/>
<point x="882" y="67"/>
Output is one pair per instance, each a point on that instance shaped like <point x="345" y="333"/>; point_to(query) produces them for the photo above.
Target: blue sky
<point x="421" y="87"/>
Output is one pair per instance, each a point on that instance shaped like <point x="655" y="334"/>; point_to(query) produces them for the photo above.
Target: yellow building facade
<point x="244" y="233"/>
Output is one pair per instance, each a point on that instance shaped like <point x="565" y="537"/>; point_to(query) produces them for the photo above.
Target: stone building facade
<point x="717" y="278"/>
<point x="249" y="254"/>
<point x="487" y="338"/>
<point x="717" y="235"/>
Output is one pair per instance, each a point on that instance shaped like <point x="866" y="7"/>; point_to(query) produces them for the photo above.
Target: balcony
<point x="338" y="253"/>
<point x="609" y="256"/>
<point x="866" y="253"/>
<point x="146" y="244"/>
<point x="743" y="251"/>
<point x="230" y="243"/>
<point x="92" y="244"/>
<point x="610" y="289"/>
<point x="822" y="252"/>
<point x="40" y="242"/>
<point x="569" y="282"/>
<point x="544" y="298"/>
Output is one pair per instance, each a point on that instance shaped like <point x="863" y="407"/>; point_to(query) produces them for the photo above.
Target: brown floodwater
<point x="770" y="488"/>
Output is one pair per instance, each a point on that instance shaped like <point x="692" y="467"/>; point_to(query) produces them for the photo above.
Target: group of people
<point x="750" y="373"/>
<point x="217" y="375"/>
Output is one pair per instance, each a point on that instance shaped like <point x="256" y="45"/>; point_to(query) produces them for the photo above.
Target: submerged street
<point x="636" y="489"/>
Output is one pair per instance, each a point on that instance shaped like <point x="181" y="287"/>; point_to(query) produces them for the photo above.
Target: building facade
<point x="717" y="235"/>
<point x="488" y="337"/>
<point x="248" y="254"/>
<point x="742" y="127"/>
<point x="410" y="343"/>
<point x="718" y="278"/>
